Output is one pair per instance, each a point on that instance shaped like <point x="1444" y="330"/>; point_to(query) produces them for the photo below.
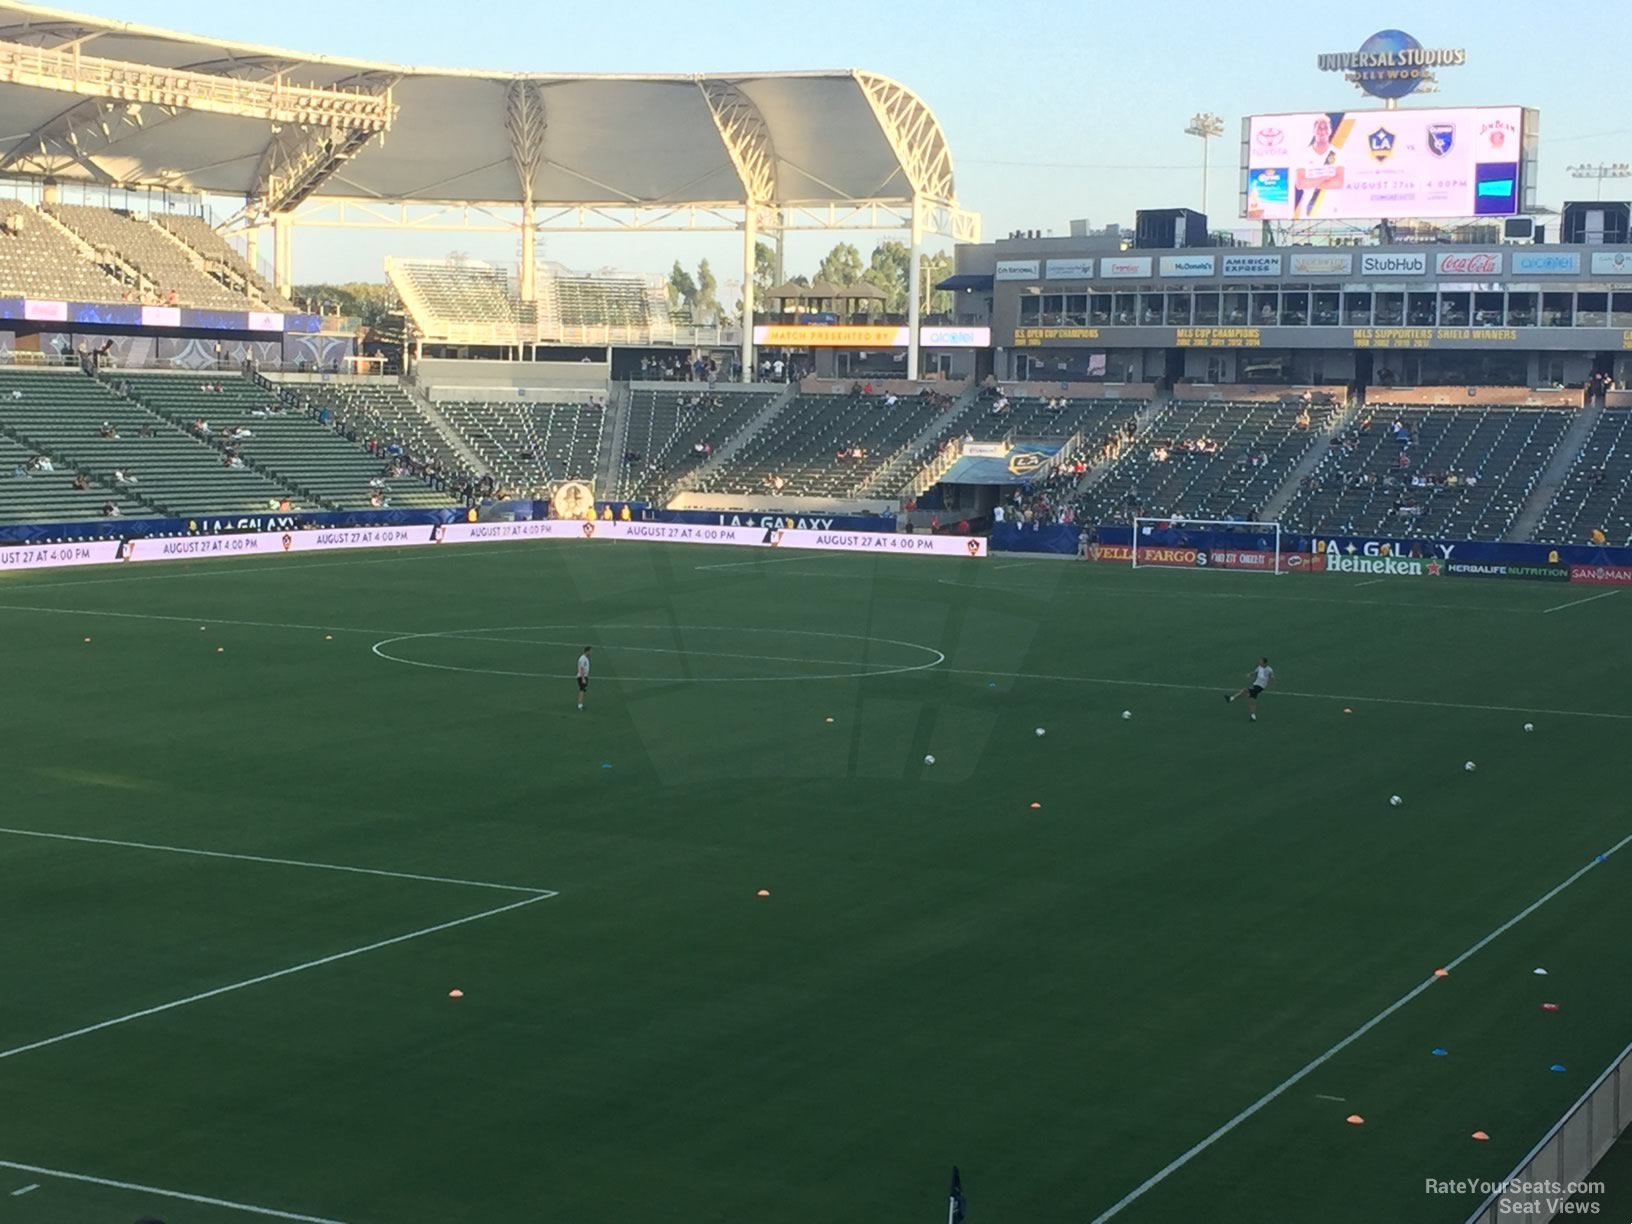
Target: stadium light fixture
<point x="1204" y="125"/>
<point x="1601" y="171"/>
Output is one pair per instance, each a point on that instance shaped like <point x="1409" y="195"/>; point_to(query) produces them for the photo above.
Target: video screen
<point x="1371" y="164"/>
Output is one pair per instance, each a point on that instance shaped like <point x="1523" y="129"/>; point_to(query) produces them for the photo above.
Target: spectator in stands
<point x="20" y="472"/>
<point x="122" y="478"/>
<point x="81" y="482"/>
<point x="110" y="509"/>
<point x="172" y="298"/>
<point x="1598" y="537"/>
<point x="41" y="464"/>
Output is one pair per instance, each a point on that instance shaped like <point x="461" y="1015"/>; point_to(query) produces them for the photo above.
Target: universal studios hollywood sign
<point x="1391" y="63"/>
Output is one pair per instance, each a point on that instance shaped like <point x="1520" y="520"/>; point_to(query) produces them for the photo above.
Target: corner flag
<point x="956" y="1209"/>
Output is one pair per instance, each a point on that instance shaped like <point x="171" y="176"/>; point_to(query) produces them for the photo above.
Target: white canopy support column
<point x="529" y="252"/>
<point x="915" y="277"/>
<point x="525" y="123"/>
<point x="283" y="252"/>
<point x="750" y="249"/>
<point x="252" y="247"/>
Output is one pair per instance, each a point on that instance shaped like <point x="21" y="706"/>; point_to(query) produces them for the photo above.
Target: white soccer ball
<point x="1469" y="767"/>
<point x="929" y="760"/>
<point x="1529" y="726"/>
<point x="1041" y="733"/>
<point x="1127" y="713"/>
<point x="1395" y="801"/>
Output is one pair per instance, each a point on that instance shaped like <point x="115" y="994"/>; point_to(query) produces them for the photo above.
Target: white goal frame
<point x="1270" y="532"/>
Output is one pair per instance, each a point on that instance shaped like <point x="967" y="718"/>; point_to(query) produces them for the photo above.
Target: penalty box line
<point x="1309" y="1068"/>
<point x="233" y="987"/>
<point x="134" y="1187"/>
<point x="279" y="862"/>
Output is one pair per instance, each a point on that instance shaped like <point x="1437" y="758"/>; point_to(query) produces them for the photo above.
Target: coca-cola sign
<point x="1470" y="263"/>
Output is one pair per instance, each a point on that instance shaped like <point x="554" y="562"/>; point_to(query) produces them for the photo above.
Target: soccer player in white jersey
<point x="1262" y="677"/>
<point x="583" y="676"/>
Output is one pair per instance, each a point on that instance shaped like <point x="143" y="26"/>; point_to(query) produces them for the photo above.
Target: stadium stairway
<point x="909" y="467"/>
<point x="614" y="437"/>
<point x="176" y="473"/>
<point x="50" y="497"/>
<point x="1554" y="475"/>
<point x="1282" y="497"/>
<point x="444" y="427"/>
<point x="750" y="430"/>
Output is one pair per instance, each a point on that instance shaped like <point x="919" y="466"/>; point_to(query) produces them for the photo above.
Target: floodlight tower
<point x="1204" y="125"/>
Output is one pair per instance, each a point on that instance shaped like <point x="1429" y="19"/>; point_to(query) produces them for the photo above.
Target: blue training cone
<point x="1438" y="1053"/>
<point x="1556" y="1068"/>
<point x="606" y="764"/>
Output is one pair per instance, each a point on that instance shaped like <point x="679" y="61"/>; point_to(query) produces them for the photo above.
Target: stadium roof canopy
<point x="99" y="101"/>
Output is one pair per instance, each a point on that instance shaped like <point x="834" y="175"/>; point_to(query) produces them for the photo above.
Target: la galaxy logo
<point x="1441" y="137"/>
<point x="1023" y="463"/>
<point x="1382" y="144"/>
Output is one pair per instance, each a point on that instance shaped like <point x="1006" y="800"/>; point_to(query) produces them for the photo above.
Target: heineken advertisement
<point x="1414" y="567"/>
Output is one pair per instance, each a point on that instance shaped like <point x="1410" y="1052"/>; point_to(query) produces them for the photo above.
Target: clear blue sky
<point x="1054" y="109"/>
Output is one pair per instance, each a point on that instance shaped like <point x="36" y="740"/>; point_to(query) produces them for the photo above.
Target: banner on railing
<point x="278" y="543"/>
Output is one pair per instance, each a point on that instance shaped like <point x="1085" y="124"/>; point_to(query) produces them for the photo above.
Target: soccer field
<point x="262" y="817"/>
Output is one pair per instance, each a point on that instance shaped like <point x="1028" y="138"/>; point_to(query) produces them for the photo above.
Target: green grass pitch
<point x="1063" y="1000"/>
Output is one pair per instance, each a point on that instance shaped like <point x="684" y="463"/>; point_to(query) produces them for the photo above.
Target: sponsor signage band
<point x="1414" y="263"/>
<point x="1068" y="269"/>
<point x="1187" y="265"/>
<point x="1121" y="268"/>
<point x="1322" y="265"/>
<point x="1252" y="265"/>
<point x="1016" y="270"/>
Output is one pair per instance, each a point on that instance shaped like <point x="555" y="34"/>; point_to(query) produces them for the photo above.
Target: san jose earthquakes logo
<point x="1441" y="138"/>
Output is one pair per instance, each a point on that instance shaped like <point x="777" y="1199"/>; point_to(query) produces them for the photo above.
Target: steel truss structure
<point x="316" y="141"/>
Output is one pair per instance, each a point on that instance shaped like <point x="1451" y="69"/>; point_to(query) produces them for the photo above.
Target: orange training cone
<point x="1442" y="973"/>
<point x="456" y="994"/>
<point x="764" y="892"/>
<point x="1035" y="805"/>
<point x="1481" y="1137"/>
<point x="1355" y="1120"/>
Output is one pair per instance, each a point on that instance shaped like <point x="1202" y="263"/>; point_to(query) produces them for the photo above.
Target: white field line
<point x="225" y="1204"/>
<point x="199" y="568"/>
<point x="1053" y="592"/>
<point x="758" y="561"/>
<point x="278" y="862"/>
<point x="25" y="1190"/>
<point x="1161" y="1175"/>
<point x="1576" y="603"/>
<point x="1369" y="582"/>
<point x="1280" y="692"/>
<point x="269" y="977"/>
<point x="954" y="671"/>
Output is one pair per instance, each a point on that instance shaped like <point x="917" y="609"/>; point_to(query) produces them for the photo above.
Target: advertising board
<point x="1367" y="164"/>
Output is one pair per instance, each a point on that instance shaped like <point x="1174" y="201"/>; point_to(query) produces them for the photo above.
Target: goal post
<point x="1186" y="543"/>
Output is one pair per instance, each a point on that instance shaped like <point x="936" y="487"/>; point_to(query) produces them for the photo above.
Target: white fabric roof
<point x="606" y="139"/>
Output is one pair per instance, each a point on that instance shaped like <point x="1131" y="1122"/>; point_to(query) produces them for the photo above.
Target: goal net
<point x="1181" y="543"/>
